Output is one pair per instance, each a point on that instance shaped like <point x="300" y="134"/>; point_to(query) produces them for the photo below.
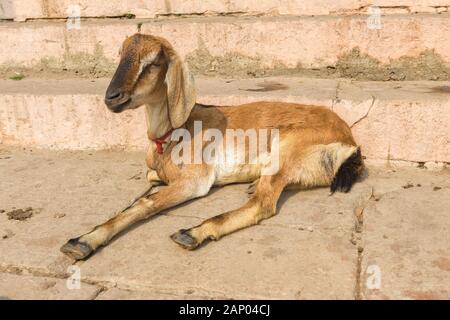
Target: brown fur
<point x="314" y="143"/>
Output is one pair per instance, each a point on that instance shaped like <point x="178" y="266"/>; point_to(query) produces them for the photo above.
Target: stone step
<point x="405" y="121"/>
<point x="406" y="47"/>
<point x="21" y="10"/>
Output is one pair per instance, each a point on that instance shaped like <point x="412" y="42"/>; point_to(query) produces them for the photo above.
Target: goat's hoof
<point x="185" y="239"/>
<point x="76" y="249"/>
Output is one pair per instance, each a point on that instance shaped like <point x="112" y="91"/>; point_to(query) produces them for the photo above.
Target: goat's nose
<point x="113" y="95"/>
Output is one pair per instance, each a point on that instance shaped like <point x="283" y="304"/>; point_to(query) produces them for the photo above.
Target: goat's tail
<point x="348" y="172"/>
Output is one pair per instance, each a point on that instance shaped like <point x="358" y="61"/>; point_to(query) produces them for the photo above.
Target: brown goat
<point x="311" y="146"/>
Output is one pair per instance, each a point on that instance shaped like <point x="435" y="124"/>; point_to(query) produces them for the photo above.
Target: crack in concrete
<point x="366" y="114"/>
<point x="173" y="291"/>
<point x="39" y="273"/>
<point x="362" y="10"/>
<point x="359" y="243"/>
<point x="392" y="9"/>
<point x="105" y="285"/>
<point x="336" y="95"/>
<point x="357" y="293"/>
<point x="32" y="271"/>
<point x="103" y="291"/>
<point x="236" y="14"/>
<point x="97" y="293"/>
<point x="357" y="240"/>
<point x="358" y="237"/>
<point x="419" y="163"/>
<point x="82" y="18"/>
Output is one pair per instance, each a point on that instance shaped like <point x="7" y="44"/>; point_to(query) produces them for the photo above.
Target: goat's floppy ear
<point x="180" y="88"/>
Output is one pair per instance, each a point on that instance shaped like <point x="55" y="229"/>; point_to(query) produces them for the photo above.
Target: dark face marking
<point x="139" y="52"/>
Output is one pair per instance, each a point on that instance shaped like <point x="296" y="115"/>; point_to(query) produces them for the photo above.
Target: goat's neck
<point x="157" y="116"/>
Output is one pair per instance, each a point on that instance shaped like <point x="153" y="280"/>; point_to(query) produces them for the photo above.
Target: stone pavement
<point x="387" y="239"/>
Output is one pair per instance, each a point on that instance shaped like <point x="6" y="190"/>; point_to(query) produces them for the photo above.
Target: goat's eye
<point x="156" y="64"/>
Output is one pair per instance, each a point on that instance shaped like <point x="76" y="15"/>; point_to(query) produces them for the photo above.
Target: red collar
<point x="160" y="141"/>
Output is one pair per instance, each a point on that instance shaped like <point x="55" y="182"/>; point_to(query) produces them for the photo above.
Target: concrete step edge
<point x="401" y="121"/>
<point x="35" y="9"/>
<point x="245" y="46"/>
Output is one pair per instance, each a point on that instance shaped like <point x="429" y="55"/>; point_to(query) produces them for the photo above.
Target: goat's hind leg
<point x="317" y="167"/>
<point x="262" y="205"/>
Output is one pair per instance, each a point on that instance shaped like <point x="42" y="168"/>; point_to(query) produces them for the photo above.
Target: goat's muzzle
<point x="116" y="101"/>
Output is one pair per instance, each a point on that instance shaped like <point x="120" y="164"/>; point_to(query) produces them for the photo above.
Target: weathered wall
<point x="406" y="47"/>
<point x="31" y="9"/>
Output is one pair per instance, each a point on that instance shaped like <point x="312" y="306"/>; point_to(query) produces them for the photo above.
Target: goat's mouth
<point x="118" y="106"/>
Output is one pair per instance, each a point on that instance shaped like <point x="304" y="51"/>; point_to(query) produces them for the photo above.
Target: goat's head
<point x="149" y="71"/>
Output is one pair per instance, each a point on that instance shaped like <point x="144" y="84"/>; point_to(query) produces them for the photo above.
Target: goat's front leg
<point x="153" y="178"/>
<point x="167" y="197"/>
<point x="261" y="206"/>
